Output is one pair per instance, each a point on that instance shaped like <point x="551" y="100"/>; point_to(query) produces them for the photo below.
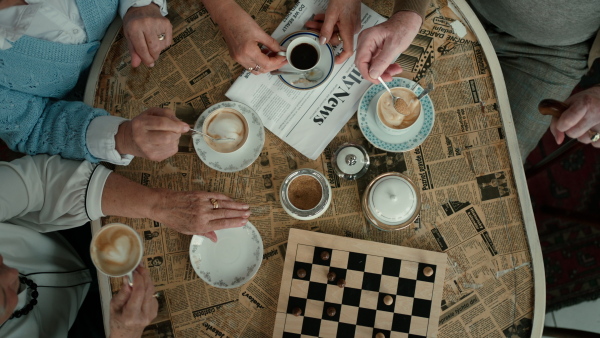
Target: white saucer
<point x="325" y="64"/>
<point x="241" y="158"/>
<point x="232" y="261"/>
<point x="367" y="111"/>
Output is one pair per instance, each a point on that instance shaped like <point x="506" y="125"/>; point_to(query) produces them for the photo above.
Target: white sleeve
<point x="48" y="193"/>
<point x="100" y="140"/>
<point x="124" y="5"/>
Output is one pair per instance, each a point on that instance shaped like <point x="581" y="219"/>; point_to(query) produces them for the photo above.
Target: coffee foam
<point x="116" y="250"/>
<point x="226" y="123"/>
<point x="390" y="116"/>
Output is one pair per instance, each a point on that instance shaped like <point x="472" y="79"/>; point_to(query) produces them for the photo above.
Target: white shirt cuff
<point x="93" y="196"/>
<point x="124" y="5"/>
<point x="100" y="139"/>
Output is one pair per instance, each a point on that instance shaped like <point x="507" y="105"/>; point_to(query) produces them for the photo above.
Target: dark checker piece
<point x="366" y="317"/>
<point x="391" y="267"/>
<point x="351" y="296"/>
<point x="339" y="273"/>
<point x="317" y="256"/>
<point x="345" y="330"/>
<point x="421" y="307"/>
<point x="401" y="323"/>
<point x="357" y="261"/>
<point x="300" y="265"/>
<point x="311" y="326"/>
<point x="406" y="287"/>
<point x="316" y="291"/>
<point x="336" y="316"/>
<point x="421" y="275"/>
<point x="371" y="282"/>
<point x="295" y="302"/>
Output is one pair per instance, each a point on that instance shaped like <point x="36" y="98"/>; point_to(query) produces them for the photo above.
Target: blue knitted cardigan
<point x="36" y="74"/>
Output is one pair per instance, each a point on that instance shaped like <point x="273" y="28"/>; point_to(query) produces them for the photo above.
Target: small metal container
<point x="303" y="214"/>
<point x="350" y="161"/>
<point x="391" y="202"/>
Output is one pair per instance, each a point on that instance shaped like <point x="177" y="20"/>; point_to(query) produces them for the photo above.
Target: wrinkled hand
<point x="142" y="27"/>
<point x="342" y="19"/>
<point x="154" y="134"/>
<point x="380" y="45"/>
<point x="243" y="36"/>
<point x="133" y="308"/>
<point x="192" y="213"/>
<point x="582" y="115"/>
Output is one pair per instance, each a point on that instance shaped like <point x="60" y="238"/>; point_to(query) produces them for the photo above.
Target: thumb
<point x="382" y="61"/>
<point x="136" y="60"/>
<point x="327" y="29"/>
<point x="121" y="298"/>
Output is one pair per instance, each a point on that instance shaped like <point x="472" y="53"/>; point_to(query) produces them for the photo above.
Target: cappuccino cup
<point x="225" y="123"/>
<point x="393" y="121"/>
<point x="117" y="250"/>
<point x="303" y="53"/>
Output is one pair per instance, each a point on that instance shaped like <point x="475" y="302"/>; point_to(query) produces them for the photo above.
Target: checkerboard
<point x="371" y="271"/>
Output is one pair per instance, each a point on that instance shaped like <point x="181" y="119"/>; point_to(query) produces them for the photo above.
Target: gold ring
<point x="257" y="67"/>
<point x="594" y="136"/>
<point x="161" y="36"/>
<point x="339" y="37"/>
<point x="215" y="203"/>
<point x="250" y="69"/>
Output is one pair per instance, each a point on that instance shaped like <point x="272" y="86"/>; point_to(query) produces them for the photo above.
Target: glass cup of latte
<point x="117" y="250"/>
<point x="396" y="120"/>
<point x="225" y="123"/>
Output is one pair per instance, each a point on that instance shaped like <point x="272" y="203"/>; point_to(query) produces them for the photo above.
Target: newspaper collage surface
<point x="470" y="206"/>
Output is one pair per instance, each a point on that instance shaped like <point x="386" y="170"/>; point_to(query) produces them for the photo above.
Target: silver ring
<point x="594" y="136"/>
<point x="161" y="36"/>
<point x="250" y="69"/>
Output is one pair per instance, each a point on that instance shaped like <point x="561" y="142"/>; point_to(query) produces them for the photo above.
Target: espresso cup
<point x="225" y="123"/>
<point x="303" y="53"/>
<point x="389" y="119"/>
<point x="117" y="250"/>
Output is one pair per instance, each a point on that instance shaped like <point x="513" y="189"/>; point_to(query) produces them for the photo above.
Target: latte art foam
<point x="226" y="123"/>
<point x="116" y="250"/>
<point x="403" y="118"/>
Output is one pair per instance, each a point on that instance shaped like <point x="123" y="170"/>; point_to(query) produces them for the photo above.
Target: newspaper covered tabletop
<point x="471" y="207"/>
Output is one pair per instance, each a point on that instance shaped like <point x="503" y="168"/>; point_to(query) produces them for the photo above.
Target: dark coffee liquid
<point x="304" y="56"/>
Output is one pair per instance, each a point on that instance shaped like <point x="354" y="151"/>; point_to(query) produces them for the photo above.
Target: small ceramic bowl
<point x="305" y="214"/>
<point x="391" y="202"/>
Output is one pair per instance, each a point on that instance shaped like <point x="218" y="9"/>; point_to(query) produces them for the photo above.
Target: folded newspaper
<point x="306" y="119"/>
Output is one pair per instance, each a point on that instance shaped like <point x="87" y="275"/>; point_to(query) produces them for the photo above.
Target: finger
<point x="319" y="17"/>
<point x="153" y="44"/>
<point x="392" y="70"/>
<point x="137" y="293"/>
<point x="314" y="25"/>
<point x="118" y="301"/>
<point x="135" y="58"/>
<point x="559" y="136"/>
<point x="327" y="28"/>
<point x="139" y="43"/>
<point x="268" y="41"/>
<point x="229" y="213"/>
<point x="367" y="47"/>
<point x="348" y="40"/>
<point x="268" y="64"/>
<point x="218" y="196"/>
<point x="149" y="298"/>
<point x="570" y="117"/>
<point x="211" y="235"/>
<point x="383" y="60"/>
<point x="233" y="205"/>
<point x="164" y="123"/>
<point x="226" y="223"/>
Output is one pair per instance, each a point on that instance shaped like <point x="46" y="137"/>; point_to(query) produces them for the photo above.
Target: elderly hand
<point x="243" y="36"/>
<point x="193" y="213"/>
<point x="133" y="308"/>
<point x="154" y="134"/>
<point x="582" y="115"/>
<point x="342" y="19"/>
<point x="143" y="27"/>
<point x="380" y="45"/>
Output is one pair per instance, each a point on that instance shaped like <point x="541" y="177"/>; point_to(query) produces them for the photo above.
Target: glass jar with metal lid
<point x="350" y="161"/>
<point x="305" y="194"/>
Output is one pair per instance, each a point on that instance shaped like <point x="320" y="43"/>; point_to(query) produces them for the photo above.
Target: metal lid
<point x="350" y="161"/>
<point x="391" y="201"/>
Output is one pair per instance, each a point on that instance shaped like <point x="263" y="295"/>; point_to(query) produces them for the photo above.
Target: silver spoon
<point x="394" y="98"/>
<point x="312" y="75"/>
<point x="194" y="131"/>
<point x="423" y="93"/>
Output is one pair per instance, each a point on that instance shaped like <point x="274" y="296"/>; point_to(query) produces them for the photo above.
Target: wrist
<point x="409" y="19"/>
<point x="155" y="200"/>
<point x="121" y="139"/>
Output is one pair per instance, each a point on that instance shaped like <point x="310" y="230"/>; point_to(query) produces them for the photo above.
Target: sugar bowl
<point x="305" y="194"/>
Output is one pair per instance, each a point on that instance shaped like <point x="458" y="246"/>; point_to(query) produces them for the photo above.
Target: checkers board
<point x="371" y="271"/>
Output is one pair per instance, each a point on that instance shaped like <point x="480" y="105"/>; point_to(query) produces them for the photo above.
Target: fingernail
<point x="244" y="222"/>
<point x="247" y="214"/>
<point x="374" y="74"/>
<point x="247" y="206"/>
<point x="322" y="40"/>
<point x="151" y="65"/>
